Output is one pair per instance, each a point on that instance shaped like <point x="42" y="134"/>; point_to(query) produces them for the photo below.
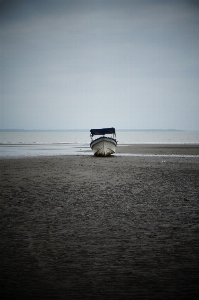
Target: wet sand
<point x="160" y="149"/>
<point x="83" y="227"/>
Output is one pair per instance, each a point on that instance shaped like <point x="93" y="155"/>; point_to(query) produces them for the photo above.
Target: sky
<point x="81" y="64"/>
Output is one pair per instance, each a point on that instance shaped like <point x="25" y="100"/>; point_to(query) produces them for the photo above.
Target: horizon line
<point x="86" y="129"/>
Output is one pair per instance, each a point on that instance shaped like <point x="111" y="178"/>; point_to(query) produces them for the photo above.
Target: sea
<point x="76" y="142"/>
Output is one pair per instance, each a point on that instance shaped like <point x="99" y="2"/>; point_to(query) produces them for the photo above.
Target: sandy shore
<point x="160" y="149"/>
<point x="82" y="227"/>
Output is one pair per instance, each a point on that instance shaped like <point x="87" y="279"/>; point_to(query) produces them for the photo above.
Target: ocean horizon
<point x="128" y="136"/>
<point x="86" y="129"/>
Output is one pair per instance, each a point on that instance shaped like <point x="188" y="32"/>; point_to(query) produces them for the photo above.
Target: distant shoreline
<point x="85" y="130"/>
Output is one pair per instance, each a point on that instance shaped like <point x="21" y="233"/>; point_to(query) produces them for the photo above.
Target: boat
<point x="103" y="145"/>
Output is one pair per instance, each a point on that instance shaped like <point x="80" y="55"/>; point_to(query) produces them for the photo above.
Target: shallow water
<point x="83" y="137"/>
<point x="37" y="143"/>
<point x="43" y="150"/>
<point x="31" y="150"/>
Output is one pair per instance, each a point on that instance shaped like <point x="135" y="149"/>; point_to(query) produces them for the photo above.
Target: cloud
<point x="70" y="57"/>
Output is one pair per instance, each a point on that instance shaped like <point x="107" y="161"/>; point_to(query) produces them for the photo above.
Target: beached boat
<point x="104" y="145"/>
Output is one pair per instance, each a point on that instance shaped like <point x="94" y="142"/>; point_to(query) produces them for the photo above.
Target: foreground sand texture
<point x="84" y="227"/>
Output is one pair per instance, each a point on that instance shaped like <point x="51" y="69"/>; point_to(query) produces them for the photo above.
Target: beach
<point x="159" y="149"/>
<point x="86" y="227"/>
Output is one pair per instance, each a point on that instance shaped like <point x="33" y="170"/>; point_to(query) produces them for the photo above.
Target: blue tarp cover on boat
<point x="102" y="131"/>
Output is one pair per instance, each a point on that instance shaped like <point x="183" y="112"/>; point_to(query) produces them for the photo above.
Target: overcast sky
<point x="81" y="64"/>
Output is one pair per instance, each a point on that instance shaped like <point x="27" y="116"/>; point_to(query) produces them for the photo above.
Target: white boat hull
<point x="103" y="146"/>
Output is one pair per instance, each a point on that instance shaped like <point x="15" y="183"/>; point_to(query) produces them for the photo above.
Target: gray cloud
<point x="82" y="64"/>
